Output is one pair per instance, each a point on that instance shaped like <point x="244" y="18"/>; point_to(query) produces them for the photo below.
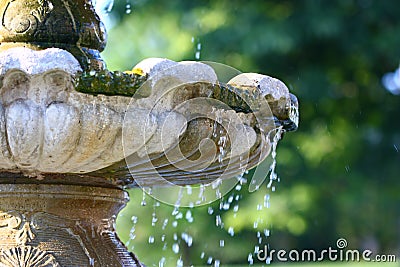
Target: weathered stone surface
<point x="61" y="225"/>
<point x="46" y="126"/>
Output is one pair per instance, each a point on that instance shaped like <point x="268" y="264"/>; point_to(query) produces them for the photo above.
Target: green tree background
<point x="339" y="172"/>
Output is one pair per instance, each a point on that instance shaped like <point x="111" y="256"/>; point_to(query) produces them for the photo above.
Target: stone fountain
<point x="74" y="135"/>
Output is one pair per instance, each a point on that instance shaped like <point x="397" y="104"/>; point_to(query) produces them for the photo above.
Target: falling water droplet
<point x="231" y="231"/>
<point x="154" y="219"/>
<point x="210" y="210"/>
<point x="217" y="263"/>
<point x="209" y="260"/>
<point x="175" y="248"/>
<point x="266" y="201"/>
<point x="250" y="259"/>
<point x="189" y="216"/>
<point x="273" y="175"/>
<point x="164" y="224"/>
<point x="235" y="208"/>
<point x="128" y="9"/>
<point x="222" y="243"/>
<point x="179" y="216"/>
<point x="266" y="232"/>
<point x="179" y="262"/>
<point x="143" y="203"/>
<point x="151" y="239"/>
<point x="218" y="220"/>
<point x="255" y="225"/>
<point x="161" y="262"/>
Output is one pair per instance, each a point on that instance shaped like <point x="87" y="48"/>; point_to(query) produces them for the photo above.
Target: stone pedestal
<point x="61" y="225"/>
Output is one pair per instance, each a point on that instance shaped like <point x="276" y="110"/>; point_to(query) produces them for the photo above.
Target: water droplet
<point x="202" y="255"/>
<point x="217" y="263"/>
<point x="179" y="262"/>
<point x="143" y="203"/>
<point x="273" y="175"/>
<point x="218" y="220"/>
<point x="128" y="9"/>
<point x="164" y="224"/>
<point x="154" y="219"/>
<point x="266" y="232"/>
<point x="255" y="225"/>
<point x="250" y="259"/>
<point x="189" y="216"/>
<point x="209" y="260"/>
<point x="151" y="239"/>
<point x="175" y="248"/>
<point x="235" y="208"/>
<point x="210" y="210"/>
<point x="231" y="231"/>
<point x="222" y="243"/>
<point x="266" y="201"/>
<point x="225" y="206"/>
<point x="188" y="239"/>
<point x="161" y="262"/>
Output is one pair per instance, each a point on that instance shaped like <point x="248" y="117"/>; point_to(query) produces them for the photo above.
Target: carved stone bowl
<point x="178" y="127"/>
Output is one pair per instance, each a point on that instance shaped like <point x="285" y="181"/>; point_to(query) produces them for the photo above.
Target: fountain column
<point x="50" y="219"/>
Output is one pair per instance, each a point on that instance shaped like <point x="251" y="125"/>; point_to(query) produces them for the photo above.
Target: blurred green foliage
<point x="339" y="172"/>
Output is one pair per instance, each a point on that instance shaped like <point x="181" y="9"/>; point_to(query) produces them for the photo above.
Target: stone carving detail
<point x="25" y="21"/>
<point x="45" y="7"/>
<point x="27" y="256"/>
<point x="14" y="251"/>
<point x="27" y="240"/>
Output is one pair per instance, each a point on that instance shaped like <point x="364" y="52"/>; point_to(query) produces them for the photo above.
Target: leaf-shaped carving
<point x="25" y="234"/>
<point x="27" y="256"/>
<point x="45" y="7"/>
<point x="10" y="219"/>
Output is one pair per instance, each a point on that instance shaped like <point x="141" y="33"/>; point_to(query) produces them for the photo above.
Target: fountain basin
<point x="47" y="127"/>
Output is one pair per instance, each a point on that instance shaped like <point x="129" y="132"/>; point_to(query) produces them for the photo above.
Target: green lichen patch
<point x="107" y="82"/>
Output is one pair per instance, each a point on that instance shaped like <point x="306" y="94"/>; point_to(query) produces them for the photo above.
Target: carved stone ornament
<point x="72" y="25"/>
<point x="60" y="225"/>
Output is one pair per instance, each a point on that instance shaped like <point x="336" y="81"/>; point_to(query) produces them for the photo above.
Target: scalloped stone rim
<point x="27" y="60"/>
